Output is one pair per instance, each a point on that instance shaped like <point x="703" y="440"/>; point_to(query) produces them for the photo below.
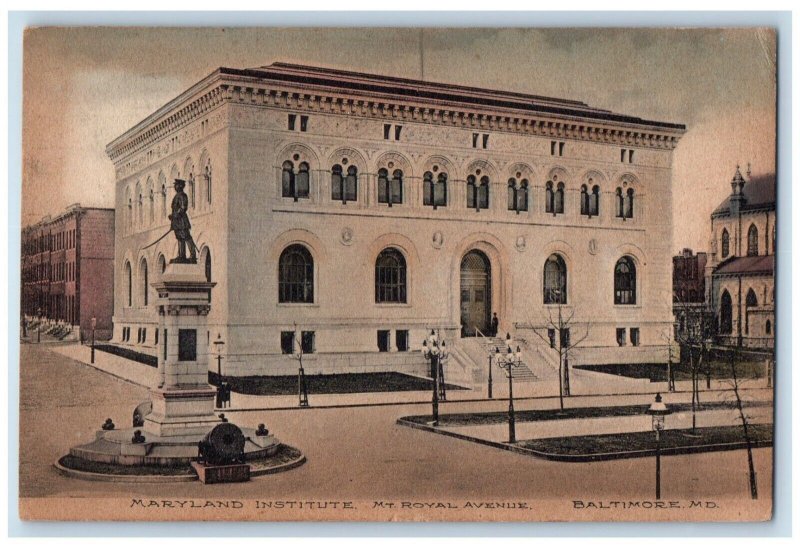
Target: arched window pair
<point x="295" y="183"/>
<point x="517" y="195"/>
<point x="752" y="241"/>
<point x="624" y="203"/>
<point x="625" y="281"/>
<point x="725" y="314"/>
<point x="296" y="276"/>
<point x="434" y="192"/>
<point x="590" y="201"/>
<point x="554" y="198"/>
<point x="477" y="192"/>
<point x="344" y="187"/>
<point x="390" y="190"/>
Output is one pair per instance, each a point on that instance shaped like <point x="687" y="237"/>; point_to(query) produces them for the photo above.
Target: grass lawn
<point x="128" y="354"/>
<point x="672" y="441"/>
<point x="657" y="372"/>
<point x="345" y="383"/>
<point x="473" y="419"/>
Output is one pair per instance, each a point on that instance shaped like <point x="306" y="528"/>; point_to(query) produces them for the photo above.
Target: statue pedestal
<point x="183" y="403"/>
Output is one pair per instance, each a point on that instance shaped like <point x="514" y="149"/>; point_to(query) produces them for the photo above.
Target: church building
<point x="741" y="270"/>
<point x="345" y="215"/>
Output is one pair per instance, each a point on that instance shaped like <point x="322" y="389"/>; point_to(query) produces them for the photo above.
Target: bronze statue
<point x="180" y="224"/>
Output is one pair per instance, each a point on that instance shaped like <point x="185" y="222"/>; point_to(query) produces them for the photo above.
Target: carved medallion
<point x="593" y="246"/>
<point x="521" y="243"/>
<point x="346" y="236"/>
<point x="437" y="240"/>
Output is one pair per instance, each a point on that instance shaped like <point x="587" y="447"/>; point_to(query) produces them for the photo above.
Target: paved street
<point x="356" y="453"/>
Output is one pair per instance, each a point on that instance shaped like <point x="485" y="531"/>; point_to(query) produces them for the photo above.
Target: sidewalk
<point x="586" y="387"/>
<point x="128" y="370"/>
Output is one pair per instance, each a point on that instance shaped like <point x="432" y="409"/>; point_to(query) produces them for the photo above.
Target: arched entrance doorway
<point x="476" y="294"/>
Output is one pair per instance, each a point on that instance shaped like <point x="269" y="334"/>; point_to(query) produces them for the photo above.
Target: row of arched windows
<point x="295" y="184"/>
<point x="143" y="288"/>
<point x="296" y="278"/>
<point x="149" y="203"/>
<point x="726" y="313"/>
<point x="752" y="242"/>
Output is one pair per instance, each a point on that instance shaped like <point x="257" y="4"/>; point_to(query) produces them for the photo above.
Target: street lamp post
<point x="39" y="327"/>
<point x="94" y="325"/>
<point x="658" y="411"/>
<point x="436" y="351"/>
<point x="218" y="344"/>
<point x="508" y="362"/>
<point x="490" y="375"/>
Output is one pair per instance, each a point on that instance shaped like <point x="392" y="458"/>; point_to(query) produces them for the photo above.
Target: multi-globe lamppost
<point x="658" y="410"/>
<point x="508" y="361"/>
<point x="435" y="350"/>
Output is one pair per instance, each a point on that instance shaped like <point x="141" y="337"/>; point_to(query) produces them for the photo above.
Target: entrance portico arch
<point x="475" y="295"/>
<point x="497" y="282"/>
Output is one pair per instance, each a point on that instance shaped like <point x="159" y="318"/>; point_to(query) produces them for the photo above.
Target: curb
<point x="150" y="479"/>
<point x="590" y="457"/>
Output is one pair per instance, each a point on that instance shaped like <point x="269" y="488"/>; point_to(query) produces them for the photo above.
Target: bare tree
<point x="667" y="336"/>
<point x="297" y="354"/>
<point x="736" y="382"/>
<point x="561" y="326"/>
<point x="693" y="339"/>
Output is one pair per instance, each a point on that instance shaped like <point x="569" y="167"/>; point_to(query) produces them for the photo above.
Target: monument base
<point x="227" y="473"/>
<point x="181" y="411"/>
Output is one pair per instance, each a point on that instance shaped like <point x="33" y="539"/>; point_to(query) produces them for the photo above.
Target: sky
<point x="85" y="86"/>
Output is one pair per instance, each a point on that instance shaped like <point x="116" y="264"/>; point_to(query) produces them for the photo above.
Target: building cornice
<point x="230" y="86"/>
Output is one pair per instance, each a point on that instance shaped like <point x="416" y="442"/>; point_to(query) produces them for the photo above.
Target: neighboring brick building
<point x="363" y="210"/>
<point x="689" y="296"/>
<point x="68" y="270"/>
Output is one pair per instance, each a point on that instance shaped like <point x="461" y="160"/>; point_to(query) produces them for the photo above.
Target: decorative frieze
<point x="231" y="92"/>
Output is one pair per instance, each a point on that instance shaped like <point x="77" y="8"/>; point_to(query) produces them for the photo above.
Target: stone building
<point x="740" y="272"/>
<point x="689" y="295"/>
<point x="68" y="270"/>
<point x="347" y="214"/>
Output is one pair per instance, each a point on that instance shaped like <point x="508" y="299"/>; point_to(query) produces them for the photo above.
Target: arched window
<point x="625" y="281"/>
<point x="207" y="176"/>
<point x="472" y="192"/>
<point x="752" y="241"/>
<point x="620" y="202"/>
<point x="162" y="264"/>
<point x="303" y="181"/>
<point x="594" y="201"/>
<point x="296" y="275"/>
<point x="128" y="283"/>
<point x="287" y="180"/>
<point x="390" y="277"/>
<point x="344" y="188"/>
<point x="517" y="195"/>
<point x="555" y="280"/>
<point x="751" y="301"/>
<point x="558" y="204"/>
<point x="726" y="243"/>
<point x="162" y="181"/>
<point x="549" y="201"/>
<point x="725" y="314"/>
<point x="584" y="200"/>
<point x="768" y="327"/>
<point x="129" y="212"/>
<point x="143" y="279"/>
<point x="152" y="204"/>
<point x="207" y="265"/>
<point x="139" y="206"/>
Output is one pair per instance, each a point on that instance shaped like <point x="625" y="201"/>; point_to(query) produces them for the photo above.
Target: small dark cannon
<point x="222" y="446"/>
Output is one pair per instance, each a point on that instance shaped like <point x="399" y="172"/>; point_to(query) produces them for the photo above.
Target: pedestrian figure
<point x="495" y="324"/>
